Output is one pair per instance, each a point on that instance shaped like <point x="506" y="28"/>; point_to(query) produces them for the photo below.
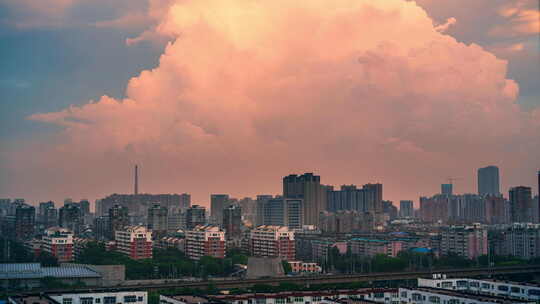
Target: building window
<point x="461" y="283"/>
<point x="109" y="300"/>
<point x="446" y="284"/>
<point x="130" y="299"/>
<point x="140" y="299"/>
<point x="98" y="300"/>
<point x="515" y="289"/>
<point x="87" y="300"/>
<point x="502" y="288"/>
<point x="67" y="301"/>
<point x="434" y="299"/>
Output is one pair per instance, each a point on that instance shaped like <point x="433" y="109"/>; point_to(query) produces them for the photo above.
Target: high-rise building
<point x="101" y="228"/>
<point x="138" y="204"/>
<point x="118" y="219"/>
<point x="249" y="209"/>
<point x="433" y="209"/>
<point x="195" y="215"/>
<point x="349" y="197"/>
<point x="70" y="217"/>
<point x="520" y="240"/>
<point x="521" y="208"/>
<point x="389" y="209"/>
<point x="308" y="188"/>
<point x="205" y="240"/>
<point x="374" y="197"/>
<point x="232" y="222"/>
<point x="185" y="202"/>
<point x="346" y="221"/>
<point x="176" y="221"/>
<point x="538" y="198"/>
<point x="273" y="241"/>
<point x="135" y="242"/>
<point x="42" y="207"/>
<point x="157" y="221"/>
<point x="466" y="241"/>
<point x="85" y="206"/>
<point x="218" y="202"/>
<point x="25" y="217"/>
<point x="488" y="181"/>
<point x="406" y="209"/>
<point x="261" y="202"/>
<point x="47" y="215"/>
<point x="447" y="189"/>
<point x="283" y="212"/>
<point x="58" y="242"/>
<point x="497" y="209"/>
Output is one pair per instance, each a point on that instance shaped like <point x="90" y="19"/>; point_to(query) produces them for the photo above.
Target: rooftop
<point x="35" y="271"/>
<point x="478" y="297"/>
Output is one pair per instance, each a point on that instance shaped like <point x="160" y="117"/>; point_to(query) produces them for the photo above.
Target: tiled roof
<point x="35" y="271"/>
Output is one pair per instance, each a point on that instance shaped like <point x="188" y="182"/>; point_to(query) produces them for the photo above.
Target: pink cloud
<point x="247" y="92"/>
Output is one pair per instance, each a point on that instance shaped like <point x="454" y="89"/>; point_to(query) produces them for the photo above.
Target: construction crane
<point x="452" y="179"/>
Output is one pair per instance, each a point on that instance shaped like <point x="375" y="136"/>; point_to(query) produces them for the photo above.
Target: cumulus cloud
<point x="248" y="91"/>
<point x="444" y="27"/>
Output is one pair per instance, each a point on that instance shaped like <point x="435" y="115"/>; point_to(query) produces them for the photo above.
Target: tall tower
<point x="521" y="209"/>
<point x="488" y="181"/>
<point x="308" y="188"/>
<point x="136" y="179"/>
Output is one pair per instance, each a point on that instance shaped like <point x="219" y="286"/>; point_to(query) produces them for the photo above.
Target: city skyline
<point x="223" y="200"/>
<point x="405" y="93"/>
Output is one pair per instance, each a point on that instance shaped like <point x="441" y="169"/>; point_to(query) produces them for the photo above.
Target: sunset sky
<point x="229" y="96"/>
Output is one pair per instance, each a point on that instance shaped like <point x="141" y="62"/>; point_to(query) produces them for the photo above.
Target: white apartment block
<point x="423" y="295"/>
<point x="121" y="297"/>
<point x="388" y="296"/>
<point x="529" y="292"/>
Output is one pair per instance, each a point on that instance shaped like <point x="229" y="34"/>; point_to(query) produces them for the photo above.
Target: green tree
<point x="286" y="267"/>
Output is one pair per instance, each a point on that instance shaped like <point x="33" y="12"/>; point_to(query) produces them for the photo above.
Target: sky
<point x="229" y="96"/>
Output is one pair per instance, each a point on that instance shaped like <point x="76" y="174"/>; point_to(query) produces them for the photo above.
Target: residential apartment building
<point x="25" y="219"/>
<point x="309" y="189"/>
<point x="272" y="241"/>
<point x="424" y="295"/>
<point x="371" y="247"/>
<point x="157" y="221"/>
<point x="195" y="216"/>
<point x="58" y="242"/>
<point x="135" y="242"/>
<point x="466" y="241"/>
<point x="232" y="222"/>
<point x="519" y="239"/>
<point x="514" y="290"/>
<point x="115" y="297"/>
<point x="283" y="212"/>
<point x="205" y="240"/>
